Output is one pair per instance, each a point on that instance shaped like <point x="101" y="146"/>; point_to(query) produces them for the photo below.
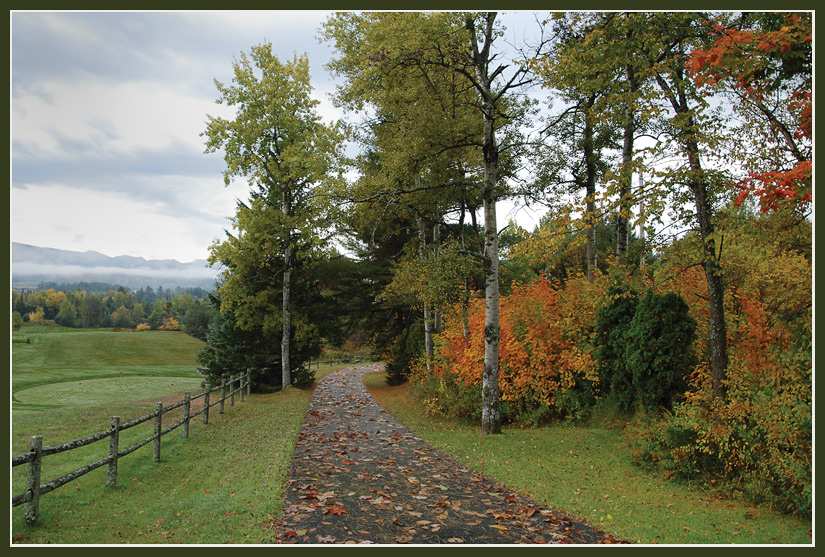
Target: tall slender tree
<point x="278" y="143"/>
<point x="675" y="36"/>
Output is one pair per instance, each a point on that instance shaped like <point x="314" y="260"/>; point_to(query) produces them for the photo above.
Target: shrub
<point x="546" y="368"/>
<point x="759" y="438"/>
<point x="659" y="349"/>
<point x="16" y="320"/>
<point x="170" y="324"/>
<point x="612" y="321"/>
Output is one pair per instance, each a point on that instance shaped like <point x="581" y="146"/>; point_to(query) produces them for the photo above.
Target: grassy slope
<point x="587" y="472"/>
<point x="48" y="371"/>
<point x="222" y="485"/>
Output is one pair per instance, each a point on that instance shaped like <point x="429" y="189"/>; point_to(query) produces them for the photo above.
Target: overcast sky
<point x="106" y="112"/>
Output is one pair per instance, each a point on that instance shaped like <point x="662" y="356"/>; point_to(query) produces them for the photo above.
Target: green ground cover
<point x="221" y="485"/>
<point x="224" y="483"/>
<point x="54" y="366"/>
<point x="587" y="472"/>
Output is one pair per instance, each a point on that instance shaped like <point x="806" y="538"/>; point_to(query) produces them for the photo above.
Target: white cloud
<point x="107" y="118"/>
<point x="113" y="224"/>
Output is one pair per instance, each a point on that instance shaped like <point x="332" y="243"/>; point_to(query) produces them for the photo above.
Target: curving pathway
<point x="359" y="476"/>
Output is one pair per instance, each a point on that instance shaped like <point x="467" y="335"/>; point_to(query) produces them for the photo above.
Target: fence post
<point x="241" y="386"/>
<point x="187" y="402"/>
<point x="158" y="430"/>
<point x="114" y="439"/>
<point x="206" y="404"/>
<point x="223" y="394"/>
<point x="32" y="509"/>
<point x="248" y="382"/>
<point x="231" y="390"/>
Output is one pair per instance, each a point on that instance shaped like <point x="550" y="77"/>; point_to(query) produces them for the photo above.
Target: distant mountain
<point x="32" y="264"/>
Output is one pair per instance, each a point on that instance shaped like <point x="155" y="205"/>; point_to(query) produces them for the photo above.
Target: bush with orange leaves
<point x="546" y="367"/>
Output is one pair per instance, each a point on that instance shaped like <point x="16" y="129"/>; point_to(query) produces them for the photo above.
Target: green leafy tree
<point x="91" y="312"/>
<point x="16" y="320"/>
<point x="691" y="125"/>
<point x="160" y="310"/>
<point x="122" y="318"/>
<point x="67" y="316"/>
<point x="276" y="142"/>
<point x="462" y="48"/>
<point x="421" y="161"/>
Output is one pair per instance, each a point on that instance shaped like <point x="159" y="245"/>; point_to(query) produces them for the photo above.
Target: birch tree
<point x="459" y="48"/>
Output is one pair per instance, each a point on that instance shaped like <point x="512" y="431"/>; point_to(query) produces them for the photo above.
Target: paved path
<point x="359" y="476"/>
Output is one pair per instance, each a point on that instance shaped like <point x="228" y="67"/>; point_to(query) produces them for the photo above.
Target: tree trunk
<point x="713" y="270"/>
<point x="643" y="256"/>
<point x="286" y="373"/>
<point x="590" y="189"/>
<point x="465" y="298"/>
<point x="437" y="318"/>
<point x="490" y="413"/>
<point x="428" y="318"/>
<point x="625" y="189"/>
<point x="713" y="275"/>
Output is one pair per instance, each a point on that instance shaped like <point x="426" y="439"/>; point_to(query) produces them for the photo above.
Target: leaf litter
<point x="359" y="476"/>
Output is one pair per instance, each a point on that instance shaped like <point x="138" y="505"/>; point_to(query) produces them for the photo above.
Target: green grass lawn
<point x="221" y="485"/>
<point x="224" y="484"/>
<point x="63" y="367"/>
<point x="587" y="472"/>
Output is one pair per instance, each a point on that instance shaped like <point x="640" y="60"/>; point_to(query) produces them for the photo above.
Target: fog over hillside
<point x="38" y="264"/>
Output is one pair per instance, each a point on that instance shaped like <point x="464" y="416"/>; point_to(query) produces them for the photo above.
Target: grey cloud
<point x="29" y="166"/>
<point x="187" y="49"/>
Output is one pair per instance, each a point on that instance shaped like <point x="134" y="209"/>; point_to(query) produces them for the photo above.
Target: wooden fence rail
<point x="34" y="458"/>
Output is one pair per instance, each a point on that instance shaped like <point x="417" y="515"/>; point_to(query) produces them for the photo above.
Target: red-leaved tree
<point x="766" y="60"/>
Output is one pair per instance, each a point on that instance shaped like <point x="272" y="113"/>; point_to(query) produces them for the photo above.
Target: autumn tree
<point x="764" y="64"/>
<point x="279" y="145"/>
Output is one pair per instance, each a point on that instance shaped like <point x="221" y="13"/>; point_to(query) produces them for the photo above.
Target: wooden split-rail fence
<point x="34" y="458"/>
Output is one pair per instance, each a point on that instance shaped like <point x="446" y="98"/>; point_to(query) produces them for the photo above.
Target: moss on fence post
<point x="114" y="440"/>
<point x="32" y="509"/>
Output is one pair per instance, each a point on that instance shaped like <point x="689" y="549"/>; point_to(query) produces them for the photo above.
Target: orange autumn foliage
<point x="544" y="352"/>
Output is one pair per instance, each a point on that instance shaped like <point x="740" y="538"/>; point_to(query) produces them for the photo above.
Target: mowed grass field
<point x="54" y="367"/>
<point x="223" y="484"/>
